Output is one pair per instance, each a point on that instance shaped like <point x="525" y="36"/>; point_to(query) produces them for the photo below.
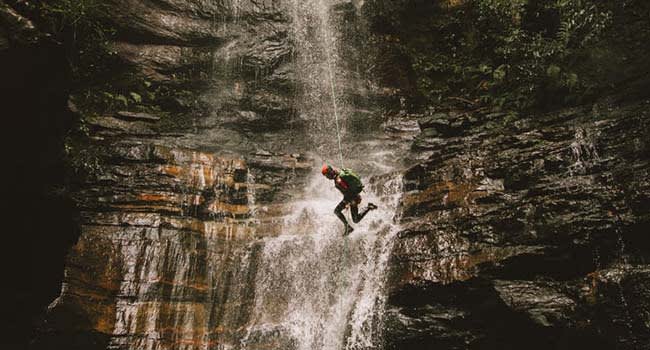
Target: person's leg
<point x="354" y="209"/>
<point x="356" y="216"/>
<point x="339" y="212"/>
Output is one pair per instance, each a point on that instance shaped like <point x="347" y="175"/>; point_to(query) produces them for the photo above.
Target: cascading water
<point x="318" y="66"/>
<point x="316" y="289"/>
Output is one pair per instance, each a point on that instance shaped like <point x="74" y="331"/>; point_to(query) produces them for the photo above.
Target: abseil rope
<point x="336" y="108"/>
<point x="346" y="257"/>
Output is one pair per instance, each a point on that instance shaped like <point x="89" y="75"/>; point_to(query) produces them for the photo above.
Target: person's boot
<point x="348" y="230"/>
<point x="371" y="206"/>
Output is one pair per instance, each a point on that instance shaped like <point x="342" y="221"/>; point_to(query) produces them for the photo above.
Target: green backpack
<point x="352" y="179"/>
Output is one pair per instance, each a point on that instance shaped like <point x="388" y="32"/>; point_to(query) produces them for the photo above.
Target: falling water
<point x="316" y="289"/>
<point x="318" y="65"/>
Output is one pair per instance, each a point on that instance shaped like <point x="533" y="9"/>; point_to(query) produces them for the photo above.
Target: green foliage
<point x="135" y="95"/>
<point x="509" y="54"/>
<point x="78" y="14"/>
<point x="82" y="162"/>
<point x="524" y="64"/>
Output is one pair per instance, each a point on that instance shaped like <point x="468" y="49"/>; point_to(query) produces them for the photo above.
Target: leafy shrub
<point x="509" y="54"/>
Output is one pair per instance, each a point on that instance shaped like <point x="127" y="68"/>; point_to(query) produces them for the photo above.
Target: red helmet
<point x="327" y="170"/>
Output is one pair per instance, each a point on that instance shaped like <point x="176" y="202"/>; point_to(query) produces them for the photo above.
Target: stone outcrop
<point x="532" y="216"/>
<point x="228" y="54"/>
<point x="163" y="233"/>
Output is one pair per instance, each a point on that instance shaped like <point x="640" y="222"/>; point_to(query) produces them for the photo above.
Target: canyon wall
<point x="526" y="234"/>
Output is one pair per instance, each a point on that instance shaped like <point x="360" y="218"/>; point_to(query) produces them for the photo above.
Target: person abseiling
<point x="350" y="186"/>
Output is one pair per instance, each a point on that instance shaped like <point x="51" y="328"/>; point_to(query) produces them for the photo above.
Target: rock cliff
<point x="525" y="230"/>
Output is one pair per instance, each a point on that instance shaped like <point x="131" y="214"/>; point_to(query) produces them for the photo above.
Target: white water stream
<point x="315" y="289"/>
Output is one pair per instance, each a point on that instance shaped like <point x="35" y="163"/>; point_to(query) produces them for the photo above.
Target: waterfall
<point x="316" y="289"/>
<point x="318" y="67"/>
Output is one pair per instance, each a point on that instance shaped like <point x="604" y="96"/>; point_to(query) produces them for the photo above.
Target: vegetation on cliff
<point x="101" y="83"/>
<point x="511" y="54"/>
<point x="81" y="27"/>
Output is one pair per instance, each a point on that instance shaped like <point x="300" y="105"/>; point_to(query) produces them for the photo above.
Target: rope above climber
<point x="350" y="185"/>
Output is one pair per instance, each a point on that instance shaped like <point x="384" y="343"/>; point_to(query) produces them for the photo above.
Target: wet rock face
<point x="532" y="213"/>
<point x="164" y="258"/>
<point x="232" y="56"/>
